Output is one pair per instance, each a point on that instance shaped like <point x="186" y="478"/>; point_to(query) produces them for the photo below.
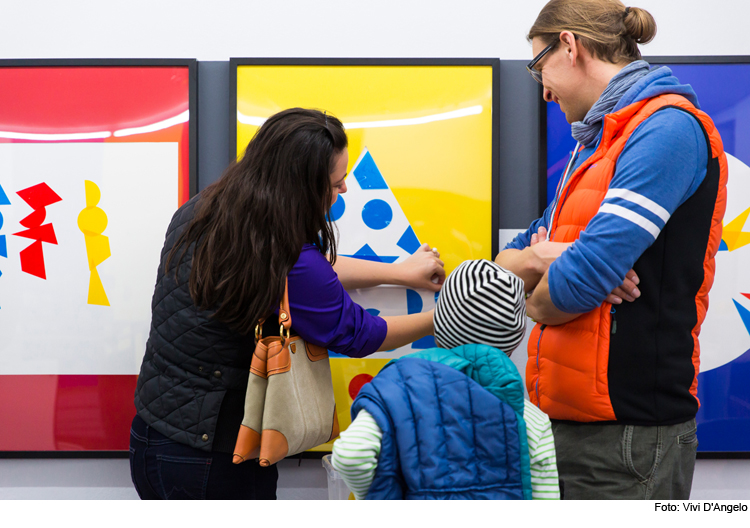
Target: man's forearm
<point x="524" y="264"/>
<point x="540" y="308"/>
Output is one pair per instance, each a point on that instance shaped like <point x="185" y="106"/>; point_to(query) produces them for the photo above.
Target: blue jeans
<point x="164" y="469"/>
<point x="614" y="461"/>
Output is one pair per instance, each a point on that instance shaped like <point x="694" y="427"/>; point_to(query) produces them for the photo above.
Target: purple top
<point x="324" y="314"/>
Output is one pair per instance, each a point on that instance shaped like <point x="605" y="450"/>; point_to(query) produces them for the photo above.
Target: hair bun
<point x="639" y="24"/>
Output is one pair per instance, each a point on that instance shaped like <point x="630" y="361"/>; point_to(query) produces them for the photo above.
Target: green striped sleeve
<point x="545" y="482"/>
<point x="355" y="453"/>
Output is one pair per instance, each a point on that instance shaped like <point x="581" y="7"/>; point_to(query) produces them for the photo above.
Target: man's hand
<point x="539" y="236"/>
<point x="544" y="251"/>
<point x="627" y="290"/>
<point x="533" y="261"/>
<point x="423" y="269"/>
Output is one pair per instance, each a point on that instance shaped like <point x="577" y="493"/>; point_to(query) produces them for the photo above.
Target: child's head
<point x="481" y="303"/>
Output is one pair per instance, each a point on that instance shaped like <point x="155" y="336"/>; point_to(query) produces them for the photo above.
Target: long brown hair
<point x="609" y="30"/>
<point x="249" y="226"/>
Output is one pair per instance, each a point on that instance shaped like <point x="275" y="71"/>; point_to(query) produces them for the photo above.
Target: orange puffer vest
<point x="643" y="369"/>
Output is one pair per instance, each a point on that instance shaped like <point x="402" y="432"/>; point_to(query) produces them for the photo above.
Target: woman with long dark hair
<point x="227" y="254"/>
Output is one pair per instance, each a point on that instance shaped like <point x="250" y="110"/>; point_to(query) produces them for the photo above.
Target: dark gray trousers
<point x="625" y="461"/>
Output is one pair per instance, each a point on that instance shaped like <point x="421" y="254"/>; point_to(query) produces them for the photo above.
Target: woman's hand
<point x="423" y="269"/>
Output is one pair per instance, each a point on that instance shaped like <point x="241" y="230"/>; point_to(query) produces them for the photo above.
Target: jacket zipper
<point x="538" y="345"/>
<point x="613" y="325"/>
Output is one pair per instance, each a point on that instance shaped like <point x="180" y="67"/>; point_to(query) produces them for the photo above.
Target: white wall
<point x="214" y="30"/>
<point x="219" y="29"/>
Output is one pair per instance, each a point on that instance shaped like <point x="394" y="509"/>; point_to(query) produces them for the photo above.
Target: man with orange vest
<point x="637" y="217"/>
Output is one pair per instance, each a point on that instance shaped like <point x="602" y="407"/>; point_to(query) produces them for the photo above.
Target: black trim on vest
<point x="650" y="369"/>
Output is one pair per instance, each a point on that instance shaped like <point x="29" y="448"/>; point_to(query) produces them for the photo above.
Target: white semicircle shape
<point x="724" y="336"/>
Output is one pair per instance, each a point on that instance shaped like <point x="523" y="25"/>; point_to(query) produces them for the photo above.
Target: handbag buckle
<point x="285" y="333"/>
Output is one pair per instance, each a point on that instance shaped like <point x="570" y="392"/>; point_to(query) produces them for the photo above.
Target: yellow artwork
<point x="92" y="222"/>
<point x="424" y="132"/>
<point x="429" y="128"/>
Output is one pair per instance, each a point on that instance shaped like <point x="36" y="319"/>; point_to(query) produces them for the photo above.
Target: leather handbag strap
<point x="285" y="316"/>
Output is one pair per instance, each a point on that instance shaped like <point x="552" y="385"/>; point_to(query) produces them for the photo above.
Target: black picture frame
<point x="193" y="178"/>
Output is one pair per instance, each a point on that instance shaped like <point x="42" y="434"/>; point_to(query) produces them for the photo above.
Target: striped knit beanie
<point x="481" y="303"/>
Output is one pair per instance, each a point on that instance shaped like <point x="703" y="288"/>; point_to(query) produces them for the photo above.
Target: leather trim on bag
<point x="315" y="353"/>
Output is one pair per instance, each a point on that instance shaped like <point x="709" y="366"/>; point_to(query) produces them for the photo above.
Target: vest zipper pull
<point x="614" y="321"/>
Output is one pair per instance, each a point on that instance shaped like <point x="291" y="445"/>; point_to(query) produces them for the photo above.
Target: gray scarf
<point x="586" y="131"/>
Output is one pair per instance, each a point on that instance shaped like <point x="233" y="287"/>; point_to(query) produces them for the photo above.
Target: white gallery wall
<point x="219" y="29"/>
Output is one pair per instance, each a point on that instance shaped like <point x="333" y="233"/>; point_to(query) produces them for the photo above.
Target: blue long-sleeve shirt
<point x="663" y="163"/>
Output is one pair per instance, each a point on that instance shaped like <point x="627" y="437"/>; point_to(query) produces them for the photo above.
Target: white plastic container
<point x="337" y="488"/>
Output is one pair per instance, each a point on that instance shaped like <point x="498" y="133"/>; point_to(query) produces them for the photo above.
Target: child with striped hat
<point x="480" y="303"/>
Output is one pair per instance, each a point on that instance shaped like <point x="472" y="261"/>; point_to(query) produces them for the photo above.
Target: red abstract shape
<point x="32" y="260"/>
<point x="746" y="295"/>
<point x="35" y="219"/>
<point x="45" y="233"/>
<point x="38" y="197"/>
<point x="358" y="381"/>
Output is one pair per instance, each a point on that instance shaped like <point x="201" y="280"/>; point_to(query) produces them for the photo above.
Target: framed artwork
<point x="423" y="144"/>
<point x="95" y="157"/>
<point x="723" y="88"/>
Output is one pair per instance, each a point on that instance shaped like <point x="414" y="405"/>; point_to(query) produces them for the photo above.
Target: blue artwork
<point x="377" y="214"/>
<point x="338" y="208"/>
<point x="724" y="380"/>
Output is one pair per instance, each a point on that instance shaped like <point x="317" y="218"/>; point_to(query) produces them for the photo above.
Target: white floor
<point x="110" y="479"/>
<point x="306" y="479"/>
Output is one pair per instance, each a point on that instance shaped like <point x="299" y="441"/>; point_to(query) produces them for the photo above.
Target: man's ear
<point x="570" y="46"/>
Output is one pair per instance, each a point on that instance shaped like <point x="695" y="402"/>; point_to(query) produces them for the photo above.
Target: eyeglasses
<point x="536" y="74"/>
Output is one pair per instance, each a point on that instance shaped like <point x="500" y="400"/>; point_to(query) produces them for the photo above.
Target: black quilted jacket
<point x="191" y="361"/>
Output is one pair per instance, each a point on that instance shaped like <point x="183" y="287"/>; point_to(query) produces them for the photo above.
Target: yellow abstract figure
<point x="92" y="222"/>
<point x="734" y="235"/>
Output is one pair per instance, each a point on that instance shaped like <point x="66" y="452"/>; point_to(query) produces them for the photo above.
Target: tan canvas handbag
<point x="289" y="404"/>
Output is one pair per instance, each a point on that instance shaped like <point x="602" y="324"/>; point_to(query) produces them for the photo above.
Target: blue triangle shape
<point x="744" y="314"/>
<point x="3" y="197"/>
<point x="366" y="253"/>
<point x="723" y="246"/>
<point x="368" y="175"/>
<point x="409" y="241"/>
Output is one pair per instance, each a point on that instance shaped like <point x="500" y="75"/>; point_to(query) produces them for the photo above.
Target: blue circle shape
<point x="377" y="214"/>
<point x="337" y="209"/>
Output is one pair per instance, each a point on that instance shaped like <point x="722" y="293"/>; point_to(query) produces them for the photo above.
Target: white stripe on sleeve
<point x="631" y="216"/>
<point x="641" y="200"/>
